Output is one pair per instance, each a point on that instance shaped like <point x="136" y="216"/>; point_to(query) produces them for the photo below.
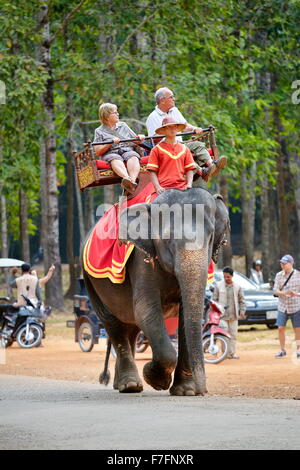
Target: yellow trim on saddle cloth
<point x="175" y="157"/>
<point x="210" y="278"/>
<point x="115" y="274"/>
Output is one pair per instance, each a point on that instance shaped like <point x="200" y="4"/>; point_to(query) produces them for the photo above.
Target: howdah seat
<point x="92" y="171"/>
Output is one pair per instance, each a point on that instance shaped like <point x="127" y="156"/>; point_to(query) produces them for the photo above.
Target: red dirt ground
<point x="256" y="374"/>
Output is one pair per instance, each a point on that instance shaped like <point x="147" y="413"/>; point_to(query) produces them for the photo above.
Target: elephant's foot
<point x="130" y="385"/>
<point x="127" y="379"/>
<point x="158" y="377"/>
<point x="184" y="385"/>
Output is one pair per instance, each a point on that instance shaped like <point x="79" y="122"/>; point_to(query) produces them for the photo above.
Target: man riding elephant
<point x="165" y="107"/>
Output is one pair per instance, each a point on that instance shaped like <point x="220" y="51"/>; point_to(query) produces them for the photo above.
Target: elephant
<point x="163" y="269"/>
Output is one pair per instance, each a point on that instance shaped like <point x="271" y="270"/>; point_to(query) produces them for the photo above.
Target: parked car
<point x="261" y="304"/>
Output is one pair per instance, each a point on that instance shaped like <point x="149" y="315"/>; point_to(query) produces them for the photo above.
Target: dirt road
<point x="38" y="413"/>
<point x="51" y="395"/>
<point x="257" y="374"/>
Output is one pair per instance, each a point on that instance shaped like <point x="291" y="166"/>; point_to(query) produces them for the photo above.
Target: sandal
<point x="219" y="165"/>
<point x="128" y="185"/>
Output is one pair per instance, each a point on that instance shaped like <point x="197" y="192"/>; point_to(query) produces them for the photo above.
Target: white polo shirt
<point x="155" y="119"/>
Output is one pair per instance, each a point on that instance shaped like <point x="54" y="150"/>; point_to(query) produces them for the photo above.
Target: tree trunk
<point x="73" y="271"/>
<point x="297" y="204"/>
<point x="264" y="81"/>
<point x="54" y="294"/>
<point x="265" y="227"/>
<point x="89" y="218"/>
<point x="284" y="240"/>
<point x="283" y="174"/>
<point x="43" y="202"/>
<point x="274" y="253"/>
<point x="80" y="213"/>
<point x="297" y="188"/>
<point x="289" y="227"/>
<point x="109" y="194"/>
<point x="4" y="231"/>
<point x="70" y="147"/>
<point x="70" y="205"/>
<point x="24" y="236"/>
<point x="248" y="211"/>
<point x="292" y="203"/>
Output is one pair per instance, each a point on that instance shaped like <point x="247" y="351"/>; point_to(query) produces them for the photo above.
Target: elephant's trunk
<point x="192" y="277"/>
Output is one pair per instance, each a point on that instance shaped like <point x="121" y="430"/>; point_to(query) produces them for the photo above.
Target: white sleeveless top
<point x="26" y="285"/>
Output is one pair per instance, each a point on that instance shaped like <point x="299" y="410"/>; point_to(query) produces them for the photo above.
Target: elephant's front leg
<point x="149" y="317"/>
<point x="183" y="383"/>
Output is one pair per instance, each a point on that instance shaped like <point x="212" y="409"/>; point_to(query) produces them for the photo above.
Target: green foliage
<point x="216" y="56"/>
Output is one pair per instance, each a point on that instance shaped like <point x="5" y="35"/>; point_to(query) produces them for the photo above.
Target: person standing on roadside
<point x="230" y="295"/>
<point x="287" y="289"/>
<point x="27" y="285"/>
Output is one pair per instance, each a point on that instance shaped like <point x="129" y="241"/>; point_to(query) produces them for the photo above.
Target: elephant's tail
<point x="104" y="377"/>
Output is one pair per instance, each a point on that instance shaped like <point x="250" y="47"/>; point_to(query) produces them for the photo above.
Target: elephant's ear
<point x="222" y="226"/>
<point x="135" y="227"/>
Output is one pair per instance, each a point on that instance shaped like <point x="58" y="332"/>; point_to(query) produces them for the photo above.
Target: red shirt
<point x="171" y="162"/>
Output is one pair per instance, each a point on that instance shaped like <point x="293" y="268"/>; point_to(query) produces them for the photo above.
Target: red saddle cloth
<point x="103" y="256"/>
<point x="211" y="272"/>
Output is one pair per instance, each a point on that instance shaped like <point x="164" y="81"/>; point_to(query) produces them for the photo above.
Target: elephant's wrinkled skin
<point x="178" y="274"/>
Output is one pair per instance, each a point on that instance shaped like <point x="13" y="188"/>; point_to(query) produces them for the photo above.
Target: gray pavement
<point x="38" y="413"/>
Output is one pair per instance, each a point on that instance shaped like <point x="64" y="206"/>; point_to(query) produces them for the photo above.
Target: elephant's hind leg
<point x="127" y="379"/>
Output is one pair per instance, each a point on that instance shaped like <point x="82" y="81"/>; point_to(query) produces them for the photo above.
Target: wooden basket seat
<point x="92" y="172"/>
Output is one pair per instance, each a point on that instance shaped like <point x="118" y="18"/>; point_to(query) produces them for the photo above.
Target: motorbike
<point x="215" y="338"/>
<point x="25" y="324"/>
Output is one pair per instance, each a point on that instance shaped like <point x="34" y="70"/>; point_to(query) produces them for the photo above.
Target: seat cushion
<point x="102" y="165"/>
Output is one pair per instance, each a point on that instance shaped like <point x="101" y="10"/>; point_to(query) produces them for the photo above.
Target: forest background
<point x="230" y="63"/>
